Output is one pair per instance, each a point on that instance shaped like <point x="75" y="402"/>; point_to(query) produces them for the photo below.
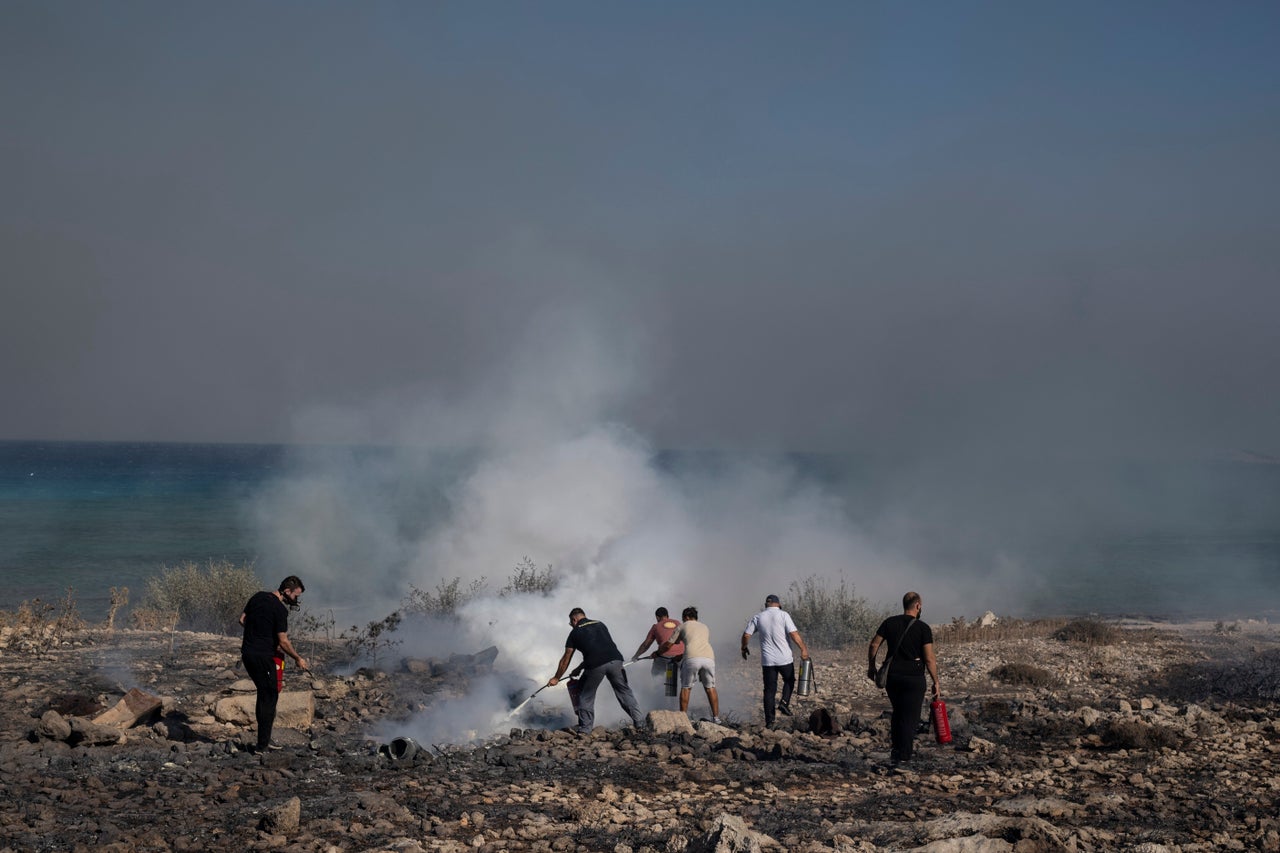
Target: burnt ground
<point x="1166" y="738"/>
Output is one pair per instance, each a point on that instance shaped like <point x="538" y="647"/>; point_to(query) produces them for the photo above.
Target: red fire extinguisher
<point x="279" y="674"/>
<point x="941" y="727"/>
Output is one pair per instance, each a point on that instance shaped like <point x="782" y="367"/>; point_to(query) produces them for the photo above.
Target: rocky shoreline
<point x="1160" y="737"/>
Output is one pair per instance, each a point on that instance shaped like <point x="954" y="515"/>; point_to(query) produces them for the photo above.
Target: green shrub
<point x="832" y="617"/>
<point x="368" y="642"/>
<point x="446" y="599"/>
<point x="527" y="579"/>
<point x="205" y="599"/>
<point x="448" y="596"/>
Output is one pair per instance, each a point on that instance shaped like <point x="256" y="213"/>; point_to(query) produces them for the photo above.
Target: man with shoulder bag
<point x="902" y="675"/>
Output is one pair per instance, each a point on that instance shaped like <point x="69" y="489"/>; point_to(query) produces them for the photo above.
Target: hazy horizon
<point x="1004" y="247"/>
<point x="984" y="229"/>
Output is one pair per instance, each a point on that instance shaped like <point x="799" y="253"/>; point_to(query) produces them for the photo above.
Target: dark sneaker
<point x="784" y="708"/>
<point x="271" y="747"/>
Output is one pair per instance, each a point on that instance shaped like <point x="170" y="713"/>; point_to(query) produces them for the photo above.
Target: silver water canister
<point x="804" y="684"/>
<point x="671" y="677"/>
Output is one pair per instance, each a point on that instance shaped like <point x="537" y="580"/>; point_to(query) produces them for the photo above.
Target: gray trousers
<point x="591" y="679"/>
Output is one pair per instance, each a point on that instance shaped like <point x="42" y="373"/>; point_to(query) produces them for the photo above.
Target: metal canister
<point x="804" y="684"/>
<point x="671" y="677"/>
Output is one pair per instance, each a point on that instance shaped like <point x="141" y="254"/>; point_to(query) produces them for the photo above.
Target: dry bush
<point x="119" y="598"/>
<point x="1022" y="674"/>
<point x="959" y="631"/>
<point x="1089" y="631"/>
<point x="1134" y="734"/>
<point x="152" y="619"/>
<point x="37" y="626"/>
<point x="1255" y="678"/>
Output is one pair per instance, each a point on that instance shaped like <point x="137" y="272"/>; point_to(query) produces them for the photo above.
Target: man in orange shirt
<point x="662" y="631"/>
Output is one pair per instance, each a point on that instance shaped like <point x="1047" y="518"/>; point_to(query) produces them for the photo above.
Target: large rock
<point x="89" y="733"/>
<point x="730" y="834"/>
<point x="669" y="722"/>
<point x="712" y="732"/>
<point x="295" y="710"/>
<point x="134" y="708"/>
<point x="53" y="726"/>
<point x="282" y="818"/>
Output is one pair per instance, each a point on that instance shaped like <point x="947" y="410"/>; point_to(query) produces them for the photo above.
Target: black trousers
<point x="262" y="669"/>
<point x="771" y="673"/>
<point x="906" y="695"/>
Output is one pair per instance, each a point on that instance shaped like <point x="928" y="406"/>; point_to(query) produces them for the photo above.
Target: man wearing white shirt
<point x="775" y="626"/>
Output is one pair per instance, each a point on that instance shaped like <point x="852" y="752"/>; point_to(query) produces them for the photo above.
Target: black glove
<point x="746" y="652"/>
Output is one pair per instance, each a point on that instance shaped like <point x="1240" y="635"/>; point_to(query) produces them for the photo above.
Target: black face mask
<point x="291" y="601"/>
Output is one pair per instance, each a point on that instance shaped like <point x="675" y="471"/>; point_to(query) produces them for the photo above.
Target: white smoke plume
<point x="549" y="476"/>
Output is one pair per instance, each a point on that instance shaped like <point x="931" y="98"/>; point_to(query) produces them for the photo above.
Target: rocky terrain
<point x="1159" y="737"/>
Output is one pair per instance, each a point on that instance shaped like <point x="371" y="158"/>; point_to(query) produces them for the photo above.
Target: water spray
<point x="517" y="708"/>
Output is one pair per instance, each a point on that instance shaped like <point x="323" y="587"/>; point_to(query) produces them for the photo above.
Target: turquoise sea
<point x="91" y="516"/>
<point x="1176" y="541"/>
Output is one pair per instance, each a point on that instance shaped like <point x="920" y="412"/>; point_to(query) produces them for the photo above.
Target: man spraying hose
<point x="601" y="659"/>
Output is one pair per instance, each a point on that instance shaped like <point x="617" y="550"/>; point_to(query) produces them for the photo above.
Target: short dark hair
<point x="660" y="613"/>
<point x="577" y="611"/>
<point x="689" y="613"/>
<point x="909" y="600"/>
<point x="292" y="582"/>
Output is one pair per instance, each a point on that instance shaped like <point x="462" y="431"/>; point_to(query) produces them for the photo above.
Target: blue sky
<point x="822" y="226"/>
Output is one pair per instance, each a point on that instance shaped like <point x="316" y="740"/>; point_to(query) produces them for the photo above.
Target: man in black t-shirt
<point x="266" y="628"/>
<point x="600" y="660"/>
<point x="910" y="642"/>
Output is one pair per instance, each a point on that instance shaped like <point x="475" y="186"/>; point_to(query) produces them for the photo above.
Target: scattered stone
<point x="1185" y="768"/>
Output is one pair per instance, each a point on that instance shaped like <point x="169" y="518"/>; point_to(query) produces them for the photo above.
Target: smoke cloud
<point x="549" y="477"/>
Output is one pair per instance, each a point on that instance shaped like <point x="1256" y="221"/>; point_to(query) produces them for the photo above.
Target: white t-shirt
<point x="774" y="624"/>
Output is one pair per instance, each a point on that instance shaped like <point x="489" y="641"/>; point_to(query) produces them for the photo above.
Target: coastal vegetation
<point x="37" y="626"/>
<point x="832" y="615"/>
<point x="1093" y="632"/>
<point x="1022" y="674"/>
<point x="448" y="596"/>
<point x="206" y="598"/>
